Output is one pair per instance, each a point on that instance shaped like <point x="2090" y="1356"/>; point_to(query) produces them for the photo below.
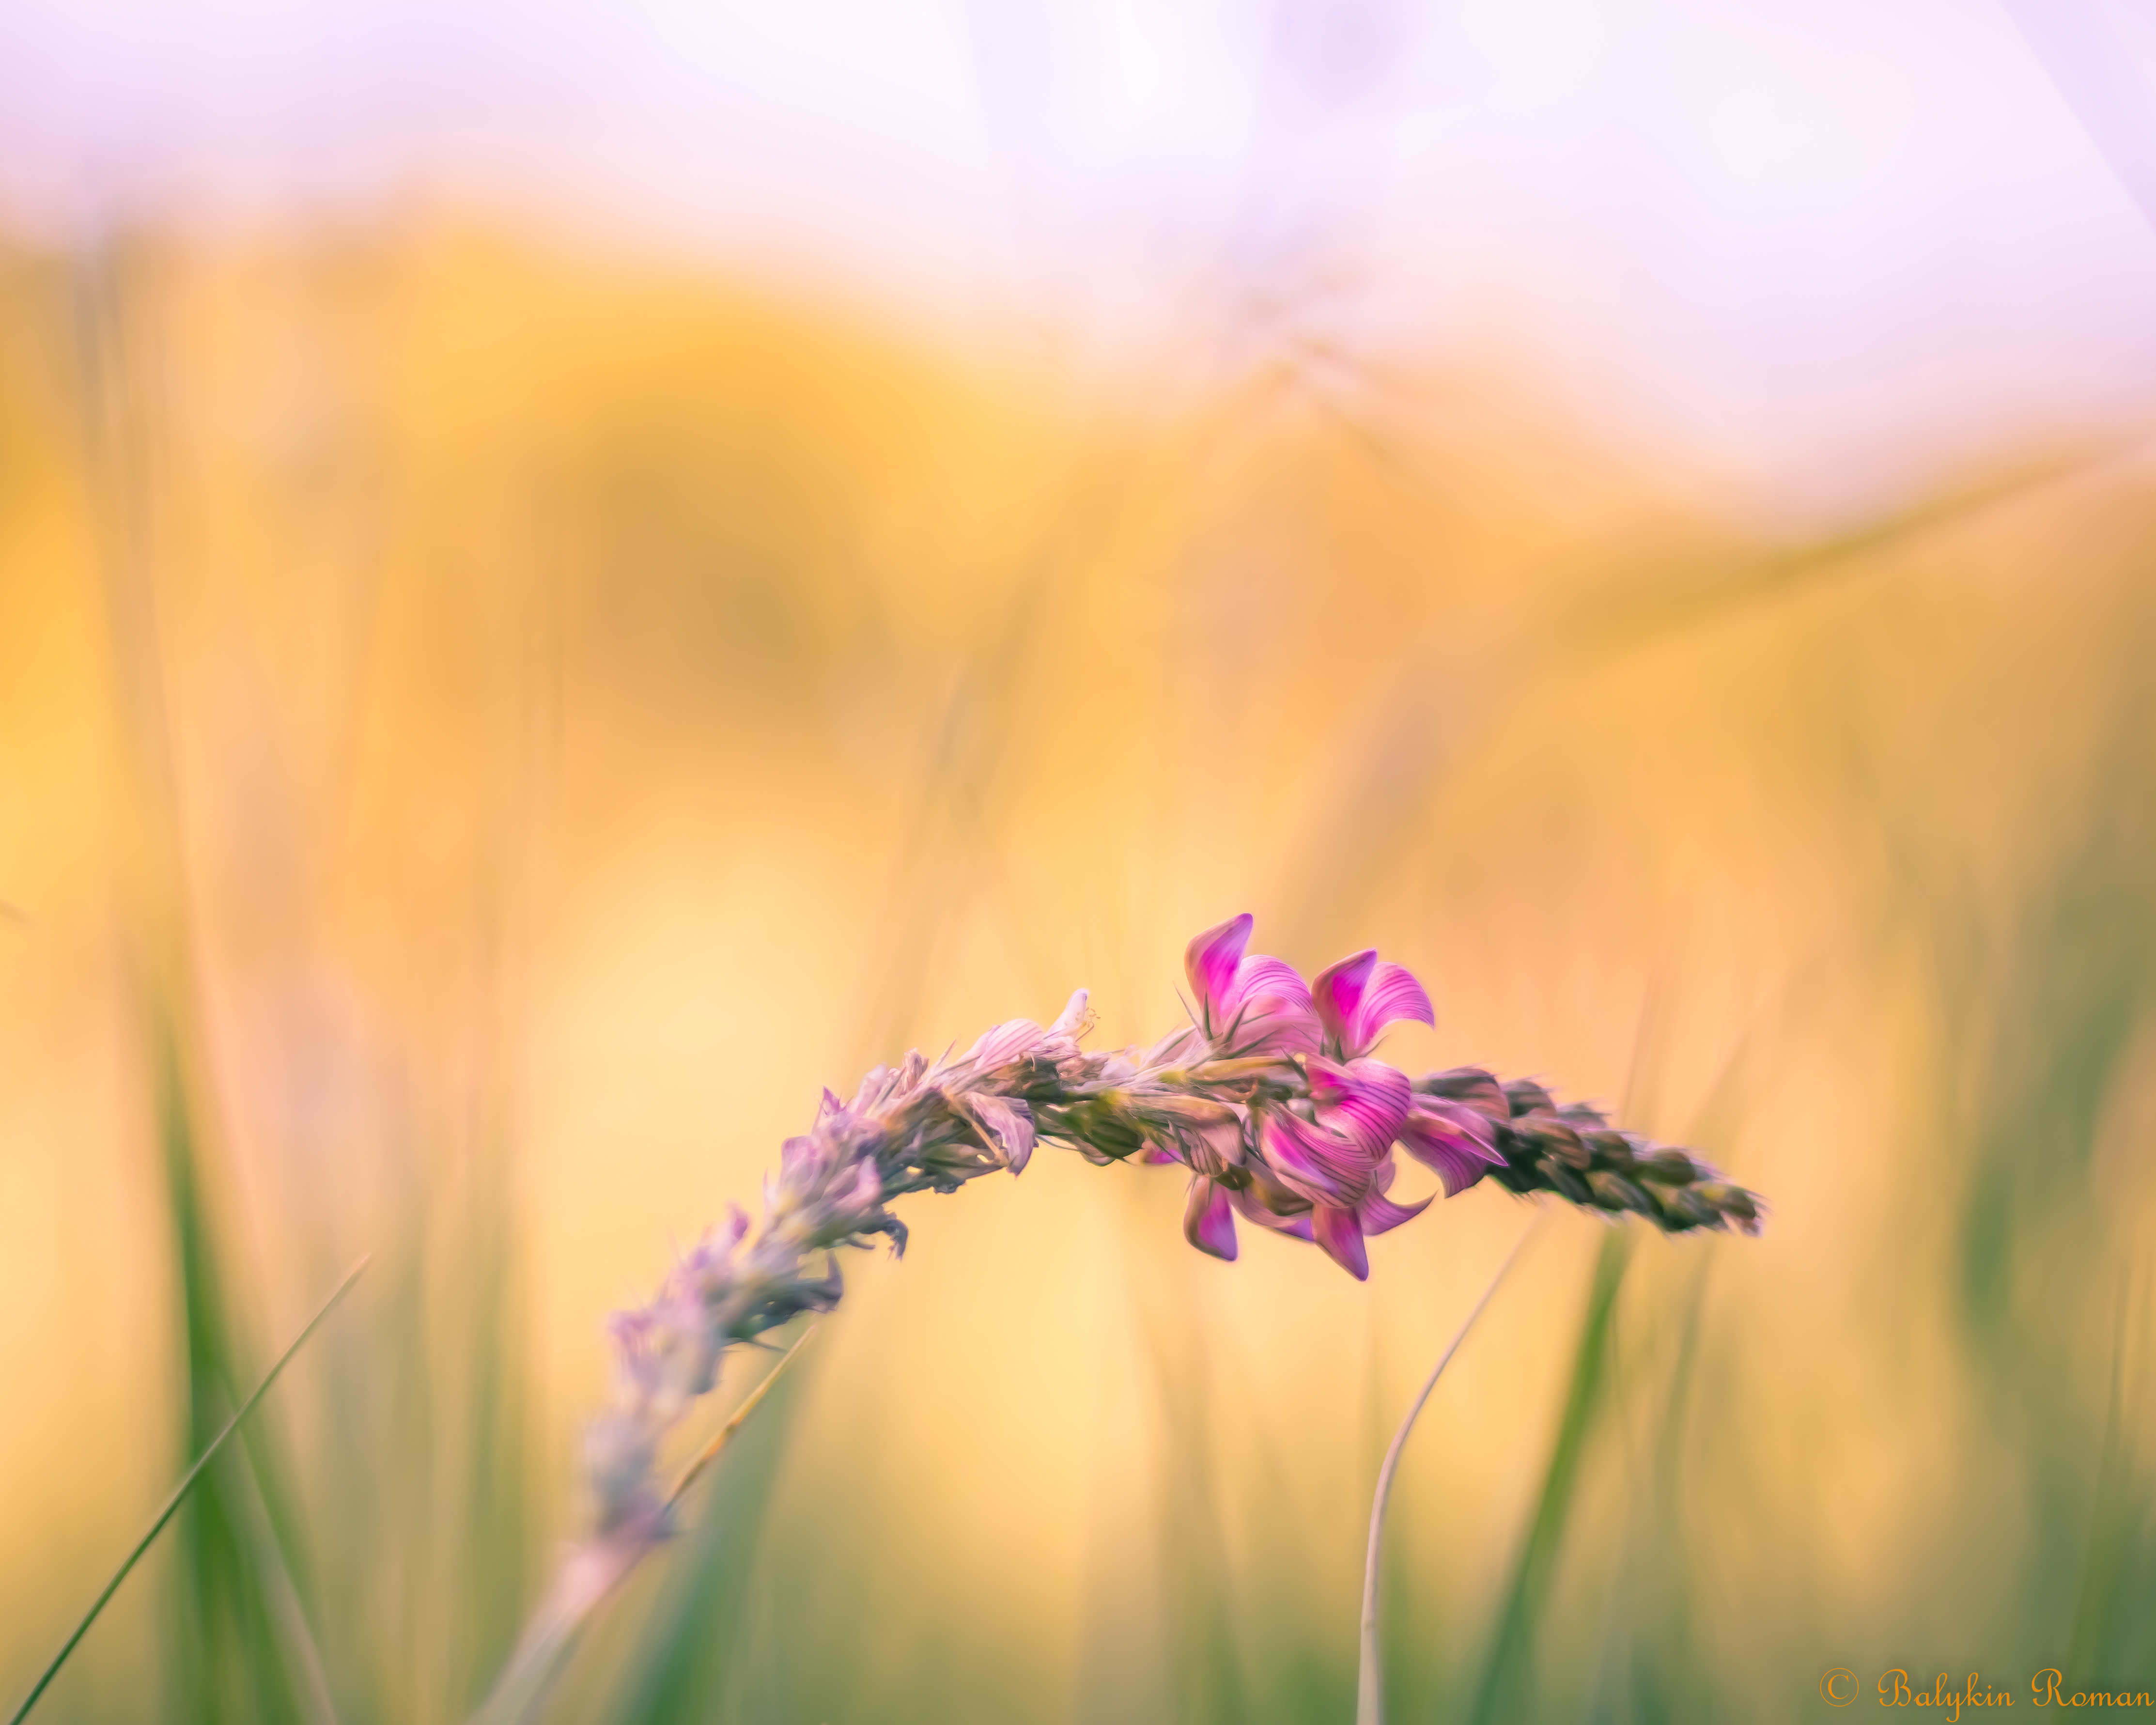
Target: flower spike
<point x="1270" y="1100"/>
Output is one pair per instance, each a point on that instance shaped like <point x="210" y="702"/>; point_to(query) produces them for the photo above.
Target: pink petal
<point x="1002" y="1043"/>
<point x="1319" y="1165"/>
<point x="1004" y="1125"/>
<point x="1207" y="1135"/>
<point x="1251" y="1206"/>
<point x="1341" y="1236"/>
<point x="1392" y="994"/>
<point x="1367" y="1100"/>
<point x="1209" y="1223"/>
<point x="1336" y="991"/>
<point x="1210" y="962"/>
<point x="1452" y="1138"/>
<point x="1378" y="1214"/>
<point x="1268" y="1010"/>
<point x="1158" y="1156"/>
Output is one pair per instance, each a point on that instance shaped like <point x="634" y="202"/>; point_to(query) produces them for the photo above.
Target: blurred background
<point x="570" y="575"/>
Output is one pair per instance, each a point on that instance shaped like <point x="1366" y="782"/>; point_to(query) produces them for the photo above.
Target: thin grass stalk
<point x="710" y="1453"/>
<point x="180" y="1493"/>
<point x="1369" y="1674"/>
<point x="280" y="1597"/>
<point x="692" y="1654"/>
<point x="543" y="1650"/>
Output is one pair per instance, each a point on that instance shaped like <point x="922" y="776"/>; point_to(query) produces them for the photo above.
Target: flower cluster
<point x="1304" y="1145"/>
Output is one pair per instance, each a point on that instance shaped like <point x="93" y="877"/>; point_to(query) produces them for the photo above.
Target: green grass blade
<point x="689" y="1651"/>
<point x="1530" y="1575"/>
<point x="180" y="1494"/>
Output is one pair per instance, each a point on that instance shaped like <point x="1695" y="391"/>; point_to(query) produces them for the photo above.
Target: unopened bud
<point x="1551" y="1136"/>
<point x="1469" y="1084"/>
<point x="1614" y="1191"/>
<point x="1733" y="1202"/>
<point x="1563" y="1181"/>
<point x="1668" y="1167"/>
<point x="1525" y="1096"/>
<point x="1684" y="1207"/>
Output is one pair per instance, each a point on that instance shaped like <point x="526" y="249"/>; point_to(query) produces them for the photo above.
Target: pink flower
<point x="1248" y="1005"/>
<point x="1342" y="1162"/>
<point x="1358" y="998"/>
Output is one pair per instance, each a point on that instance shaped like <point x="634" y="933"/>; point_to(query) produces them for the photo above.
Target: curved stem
<point x="180" y="1492"/>
<point x="1369" y="1679"/>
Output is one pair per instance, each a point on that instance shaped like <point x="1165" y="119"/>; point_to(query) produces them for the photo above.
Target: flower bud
<point x="1551" y="1136"/>
<point x="1731" y="1203"/>
<point x="1469" y="1084"/>
<point x="1523" y="1096"/>
<point x="1614" y="1191"/>
<point x="1684" y="1207"/>
<point x="1668" y="1167"/>
<point x="1563" y="1181"/>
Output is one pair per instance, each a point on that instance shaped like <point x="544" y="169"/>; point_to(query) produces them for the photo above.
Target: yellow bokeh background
<point x="532" y="719"/>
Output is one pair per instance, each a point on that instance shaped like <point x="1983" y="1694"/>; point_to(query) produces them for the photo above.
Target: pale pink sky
<point x="1817" y="244"/>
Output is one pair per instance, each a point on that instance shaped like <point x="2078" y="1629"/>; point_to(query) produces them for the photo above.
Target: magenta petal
<point x="1378" y="1214"/>
<point x="1274" y="984"/>
<point x="1267" y="1009"/>
<point x="1317" y="1164"/>
<point x="1452" y="1138"/>
<point x="1338" y="990"/>
<point x="1341" y="1236"/>
<point x="1159" y="1156"/>
<point x="1392" y="995"/>
<point x="1210" y="962"/>
<point x="1209" y="1223"/>
<point x="1367" y="1100"/>
<point x="1456" y="1170"/>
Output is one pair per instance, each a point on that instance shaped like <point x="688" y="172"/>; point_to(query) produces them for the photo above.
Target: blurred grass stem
<point x="589" y="1578"/>
<point x="180" y="1492"/>
<point x="709" y="1453"/>
<point x="1370" y="1678"/>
